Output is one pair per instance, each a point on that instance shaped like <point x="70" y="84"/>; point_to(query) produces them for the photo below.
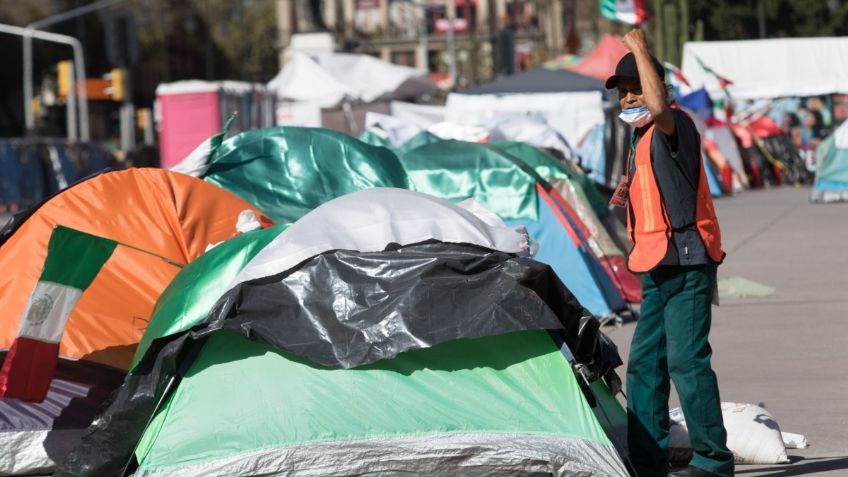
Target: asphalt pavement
<point x="788" y="350"/>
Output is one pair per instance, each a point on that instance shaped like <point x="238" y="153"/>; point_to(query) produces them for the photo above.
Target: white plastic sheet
<point x="770" y="68"/>
<point x="532" y="129"/>
<point x="422" y="115"/>
<point x="368" y="220"/>
<point x="397" y="131"/>
<point x="571" y="114"/>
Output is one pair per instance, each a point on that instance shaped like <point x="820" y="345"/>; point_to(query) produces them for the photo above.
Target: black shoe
<point x="691" y="472"/>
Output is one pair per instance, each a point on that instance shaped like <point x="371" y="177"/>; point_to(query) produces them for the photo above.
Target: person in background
<point x="505" y="44"/>
<point x="816" y="104"/>
<point x="812" y="129"/>
<point x="791" y="125"/>
<point x="676" y="249"/>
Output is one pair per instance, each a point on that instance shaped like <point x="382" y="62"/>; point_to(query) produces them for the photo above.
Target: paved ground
<point x="789" y="350"/>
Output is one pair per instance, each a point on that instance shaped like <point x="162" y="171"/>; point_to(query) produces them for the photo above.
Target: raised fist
<point x="635" y="40"/>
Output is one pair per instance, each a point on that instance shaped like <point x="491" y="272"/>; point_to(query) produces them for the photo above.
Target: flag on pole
<point x="631" y="12"/>
<point x="676" y="73"/>
<point x="723" y="82"/>
<point x="73" y="260"/>
<point x="725" y="107"/>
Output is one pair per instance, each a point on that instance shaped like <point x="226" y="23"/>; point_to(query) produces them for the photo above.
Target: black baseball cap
<point x="626" y="68"/>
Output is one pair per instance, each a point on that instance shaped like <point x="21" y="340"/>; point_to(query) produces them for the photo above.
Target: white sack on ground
<point x="752" y="435"/>
<point x="571" y="114"/>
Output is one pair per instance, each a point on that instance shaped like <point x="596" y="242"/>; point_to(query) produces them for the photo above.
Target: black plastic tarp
<point x="344" y="309"/>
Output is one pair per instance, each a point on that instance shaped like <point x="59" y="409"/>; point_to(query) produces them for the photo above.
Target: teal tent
<point x="831" y="184"/>
<point x="377" y="138"/>
<point x="287" y="171"/>
<point x="589" y="206"/>
<point x="510" y="188"/>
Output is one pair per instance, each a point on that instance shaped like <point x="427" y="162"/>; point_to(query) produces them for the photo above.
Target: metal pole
<point x="79" y="66"/>
<point x="71" y="103"/>
<point x="422" y="39"/>
<point x="148" y="127"/>
<point x="451" y="11"/>
<point x="29" y="118"/>
<point x="29" y="32"/>
<point x="761" y="18"/>
<point x="127" y="126"/>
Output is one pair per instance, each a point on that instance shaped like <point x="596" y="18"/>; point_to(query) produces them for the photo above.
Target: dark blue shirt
<point x="677" y="170"/>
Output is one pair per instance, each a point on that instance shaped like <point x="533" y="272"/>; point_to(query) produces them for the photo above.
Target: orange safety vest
<point x="647" y="221"/>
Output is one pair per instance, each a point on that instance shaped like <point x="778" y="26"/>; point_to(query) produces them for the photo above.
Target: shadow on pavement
<point x="799" y="466"/>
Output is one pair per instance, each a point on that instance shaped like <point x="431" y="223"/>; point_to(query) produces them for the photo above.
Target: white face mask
<point x="636" y="117"/>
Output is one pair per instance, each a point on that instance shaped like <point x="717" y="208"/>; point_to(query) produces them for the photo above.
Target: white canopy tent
<point x="330" y="78"/>
<point x="337" y="89"/>
<point x="762" y="69"/>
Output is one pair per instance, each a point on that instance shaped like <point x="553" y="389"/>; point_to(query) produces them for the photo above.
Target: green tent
<point x="197" y="287"/>
<point x="288" y="171"/>
<point x="513" y="391"/>
<point x="281" y="377"/>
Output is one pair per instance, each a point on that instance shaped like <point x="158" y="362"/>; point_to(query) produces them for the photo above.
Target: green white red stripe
<point x="73" y="260"/>
<point x="631" y="12"/>
<point x="676" y="74"/>
<point x="723" y="82"/>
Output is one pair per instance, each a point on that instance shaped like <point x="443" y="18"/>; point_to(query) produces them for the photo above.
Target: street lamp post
<point x="78" y="65"/>
<point x="30" y="32"/>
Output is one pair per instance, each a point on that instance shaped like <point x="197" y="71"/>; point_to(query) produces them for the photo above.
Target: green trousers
<point x="670" y="341"/>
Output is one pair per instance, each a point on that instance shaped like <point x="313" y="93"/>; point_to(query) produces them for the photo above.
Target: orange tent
<point x="161" y="220"/>
<point x="600" y="62"/>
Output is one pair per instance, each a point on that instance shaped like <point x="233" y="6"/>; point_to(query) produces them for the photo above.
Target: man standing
<point x="677" y="248"/>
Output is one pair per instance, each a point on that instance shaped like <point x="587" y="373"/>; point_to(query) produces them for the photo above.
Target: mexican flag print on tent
<point x="73" y="261"/>
<point x="631" y="12"/>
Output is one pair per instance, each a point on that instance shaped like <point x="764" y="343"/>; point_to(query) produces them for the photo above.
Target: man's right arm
<point x="653" y="88"/>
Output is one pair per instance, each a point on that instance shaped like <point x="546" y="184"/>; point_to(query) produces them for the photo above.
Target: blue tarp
<point x="10" y="175"/>
<point x="593" y="156"/>
<point x="30" y="171"/>
<point x="831" y="183"/>
<point x="712" y="179"/>
<point x="576" y="267"/>
<point x="699" y="102"/>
